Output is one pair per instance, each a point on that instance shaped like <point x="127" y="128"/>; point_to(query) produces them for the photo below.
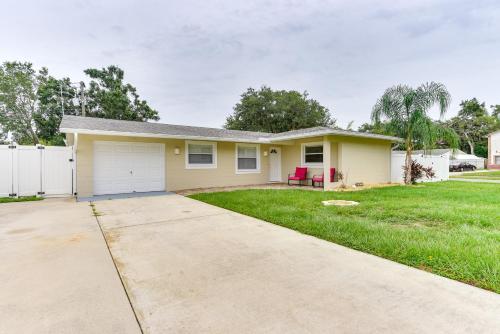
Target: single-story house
<point x="114" y="156"/>
<point x="494" y="150"/>
<point x="455" y="156"/>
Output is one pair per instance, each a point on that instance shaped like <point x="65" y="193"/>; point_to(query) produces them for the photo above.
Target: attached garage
<point x="124" y="167"/>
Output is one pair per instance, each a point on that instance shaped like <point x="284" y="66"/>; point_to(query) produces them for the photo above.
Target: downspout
<point x="75" y="169"/>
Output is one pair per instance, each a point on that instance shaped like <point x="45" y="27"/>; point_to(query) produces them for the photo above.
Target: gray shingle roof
<point x="111" y="126"/>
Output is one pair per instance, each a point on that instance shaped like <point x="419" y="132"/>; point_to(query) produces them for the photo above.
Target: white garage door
<point x="121" y="167"/>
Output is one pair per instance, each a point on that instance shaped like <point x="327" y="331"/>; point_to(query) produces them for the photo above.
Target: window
<point x="312" y="154"/>
<point x="201" y="155"/>
<point x="247" y="158"/>
<point x="497" y="160"/>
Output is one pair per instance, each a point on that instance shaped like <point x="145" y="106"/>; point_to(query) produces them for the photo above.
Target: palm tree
<point x="406" y="111"/>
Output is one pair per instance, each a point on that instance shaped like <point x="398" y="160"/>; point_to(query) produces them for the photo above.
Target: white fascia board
<point x="333" y="132"/>
<point x="153" y="135"/>
<point x="300" y="136"/>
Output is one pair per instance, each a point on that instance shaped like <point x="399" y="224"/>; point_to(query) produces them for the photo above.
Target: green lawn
<point x="494" y="175"/>
<point x="20" y="199"/>
<point x="448" y="228"/>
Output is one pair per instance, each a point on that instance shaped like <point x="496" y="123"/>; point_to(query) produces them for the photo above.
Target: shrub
<point x="418" y="171"/>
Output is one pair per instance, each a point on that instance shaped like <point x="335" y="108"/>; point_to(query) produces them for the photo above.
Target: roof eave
<point x="164" y="136"/>
<point x="327" y="133"/>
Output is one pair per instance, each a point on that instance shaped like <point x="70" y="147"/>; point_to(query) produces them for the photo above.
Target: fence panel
<point x="438" y="163"/>
<point x="27" y="170"/>
<point x="36" y="170"/>
<point x="57" y="170"/>
<point x="6" y="157"/>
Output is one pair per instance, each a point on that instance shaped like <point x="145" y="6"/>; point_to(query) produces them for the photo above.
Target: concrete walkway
<point x="190" y="267"/>
<point x="56" y="273"/>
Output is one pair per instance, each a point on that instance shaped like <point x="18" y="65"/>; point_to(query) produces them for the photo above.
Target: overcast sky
<point x="191" y="60"/>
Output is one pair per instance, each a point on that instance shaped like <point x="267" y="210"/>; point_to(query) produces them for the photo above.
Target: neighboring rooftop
<point x="92" y="125"/>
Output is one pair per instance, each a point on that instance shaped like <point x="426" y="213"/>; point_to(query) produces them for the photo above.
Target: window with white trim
<point x="247" y="158"/>
<point x="201" y="154"/>
<point x="312" y="154"/>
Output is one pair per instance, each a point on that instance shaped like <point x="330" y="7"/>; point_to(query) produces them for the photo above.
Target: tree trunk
<point x="470" y="143"/>
<point x="33" y="134"/>
<point x="407" y="178"/>
<point x="471" y="146"/>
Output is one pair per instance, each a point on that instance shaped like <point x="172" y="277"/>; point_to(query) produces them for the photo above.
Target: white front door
<point x="275" y="164"/>
<point x="121" y="167"/>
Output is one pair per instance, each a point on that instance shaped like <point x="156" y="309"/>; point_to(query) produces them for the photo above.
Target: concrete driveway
<point x="56" y="273"/>
<point x="193" y="268"/>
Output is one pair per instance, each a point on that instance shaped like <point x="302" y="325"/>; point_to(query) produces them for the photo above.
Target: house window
<point x="201" y="155"/>
<point x="247" y="158"/>
<point x="312" y="154"/>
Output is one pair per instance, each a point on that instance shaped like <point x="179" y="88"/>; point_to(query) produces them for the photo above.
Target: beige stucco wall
<point x="177" y="176"/>
<point x="70" y="139"/>
<point x="362" y="160"/>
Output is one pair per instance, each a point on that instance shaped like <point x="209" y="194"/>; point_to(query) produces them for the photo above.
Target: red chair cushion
<point x="296" y="178"/>
<point x="301" y="172"/>
<point x="332" y="174"/>
<point x="318" y="178"/>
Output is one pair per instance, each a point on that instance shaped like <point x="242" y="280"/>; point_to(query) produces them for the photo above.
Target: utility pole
<point x="82" y="97"/>
<point x="62" y="99"/>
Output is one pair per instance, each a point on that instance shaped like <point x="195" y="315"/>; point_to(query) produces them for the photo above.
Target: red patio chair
<point x="320" y="178"/>
<point x="300" y="175"/>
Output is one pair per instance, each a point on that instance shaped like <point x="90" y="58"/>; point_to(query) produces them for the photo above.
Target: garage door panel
<point x="122" y="167"/>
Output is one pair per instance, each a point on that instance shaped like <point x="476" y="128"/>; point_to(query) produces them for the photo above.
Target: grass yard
<point x="20" y="199"/>
<point x="448" y="228"/>
<point x="493" y="175"/>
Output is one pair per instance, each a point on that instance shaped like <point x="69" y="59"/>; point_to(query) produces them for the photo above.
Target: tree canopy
<point x="109" y="97"/>
<point x="18" y="101"/>
<point x="405" y="112"/>
<point x="32" y="104"/>
<point x="473" y="123"/>
<point x="274" y="111"/>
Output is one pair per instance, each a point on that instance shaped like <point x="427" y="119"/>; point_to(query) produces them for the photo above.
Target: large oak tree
<point x="274" y="111"/>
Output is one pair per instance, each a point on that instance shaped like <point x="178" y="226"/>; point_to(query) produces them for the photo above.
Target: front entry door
<point x="275" y="164"/>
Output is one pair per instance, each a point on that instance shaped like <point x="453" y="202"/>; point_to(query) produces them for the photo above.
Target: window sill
<point x="201" y="166"/>
<point x="312" y="165"/>
<point x="248" y="171"/>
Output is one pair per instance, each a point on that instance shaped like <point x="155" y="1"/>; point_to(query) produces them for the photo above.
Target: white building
<point x="494" y="150"/>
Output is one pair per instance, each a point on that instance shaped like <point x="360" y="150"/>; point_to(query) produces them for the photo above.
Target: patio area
<point x="282" y="186"/>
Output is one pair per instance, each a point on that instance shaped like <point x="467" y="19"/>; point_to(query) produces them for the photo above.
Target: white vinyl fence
<point x="439" y="164"/>
<point x="36" y="170"/>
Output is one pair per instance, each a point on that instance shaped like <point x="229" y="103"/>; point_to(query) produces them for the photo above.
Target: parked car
<point x="463" y="166"/>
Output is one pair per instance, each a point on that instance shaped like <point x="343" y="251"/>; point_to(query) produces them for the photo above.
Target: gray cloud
<point x="192" y="59"/>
